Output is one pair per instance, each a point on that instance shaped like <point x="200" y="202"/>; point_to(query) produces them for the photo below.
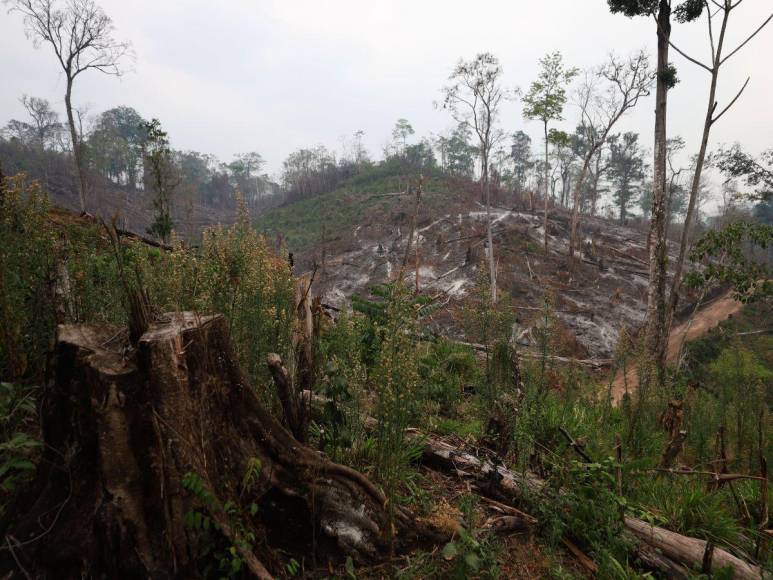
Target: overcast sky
<point x="275" y="75"/>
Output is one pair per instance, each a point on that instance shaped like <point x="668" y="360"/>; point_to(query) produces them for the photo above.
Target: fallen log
<point x="662" y="549"/>
<point x="689" y="551"/>
<point x="124" y="428"/>
<point x="673" y="550"/>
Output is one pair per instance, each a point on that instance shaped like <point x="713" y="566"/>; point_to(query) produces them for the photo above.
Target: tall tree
<point x="160" y="169"/>
<point x="545" y="102"/>
<point x="626" y="171"/>
<point x="460" y="154"/>
<point x="81" y="36"/>
<point x="474" y="97"/>
<point x="115" y="145"/>
<point x="402" y="130"/>
<point x="660" y="11"/>
<point x="686" y="12"/>
<point x="598" y="167"/>
<point x="603" y="98"/>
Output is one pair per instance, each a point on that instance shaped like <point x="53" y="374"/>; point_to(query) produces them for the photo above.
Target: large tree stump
<point x="123" y="427"/>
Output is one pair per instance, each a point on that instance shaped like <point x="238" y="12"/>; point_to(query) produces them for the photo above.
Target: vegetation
<point x="459" y="429"/>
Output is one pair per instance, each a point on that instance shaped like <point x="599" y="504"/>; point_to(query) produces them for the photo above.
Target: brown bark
<point x="576" y="205"/>
<point x="545" y="217"/>
<point x="656" y="298"/>
<point x="673" y="449"/>
<point x="659" y="548"/>
<point x="122" y="427"/>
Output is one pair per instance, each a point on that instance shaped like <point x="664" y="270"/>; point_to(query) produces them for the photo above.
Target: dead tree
<point x="601" y="108"/>
<point x="717" y="10"/>
<point x="474" y="97"/>
<point x="123" y="427"/>
<point x="81" y="36"/>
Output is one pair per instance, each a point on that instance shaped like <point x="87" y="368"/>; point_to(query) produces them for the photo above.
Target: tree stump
<point x="123" y="427"/>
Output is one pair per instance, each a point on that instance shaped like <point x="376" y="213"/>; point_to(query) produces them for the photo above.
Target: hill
<point x="358" y="237"/>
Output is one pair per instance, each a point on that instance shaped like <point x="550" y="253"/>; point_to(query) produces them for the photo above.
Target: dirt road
<point x="704" y="320"/>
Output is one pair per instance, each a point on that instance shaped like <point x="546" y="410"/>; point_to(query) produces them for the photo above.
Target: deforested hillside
<point x="358" y="239"/>
<point x="375" y="290"/>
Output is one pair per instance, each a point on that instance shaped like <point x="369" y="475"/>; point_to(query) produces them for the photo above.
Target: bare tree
<point x="45" y="121"/>
<point x="474" y="97"/>
<point x="714" y="10"/>
<point x="81" y="36"/>
<point x="603" y="98"/>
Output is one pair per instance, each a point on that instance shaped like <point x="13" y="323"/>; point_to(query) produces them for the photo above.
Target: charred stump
<point x="125" y="426"/>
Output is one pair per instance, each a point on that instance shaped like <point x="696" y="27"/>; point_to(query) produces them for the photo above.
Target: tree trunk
<point x="124" y="429"/>
<point x="545" y="220"/>
<point x="80" y="181"/>
<point x="673" y="298"/>
<point x="661" y="549"/>
<point x="656" y="299"/>
<point x="489" y="237"/>
<point x="576" y="207"/>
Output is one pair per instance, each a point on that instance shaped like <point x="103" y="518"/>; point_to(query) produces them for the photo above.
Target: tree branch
<point x="752" y="35"/>
<point x="715" y="119"/>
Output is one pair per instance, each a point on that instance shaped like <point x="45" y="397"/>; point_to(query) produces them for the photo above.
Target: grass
<point x="339" y="212"/>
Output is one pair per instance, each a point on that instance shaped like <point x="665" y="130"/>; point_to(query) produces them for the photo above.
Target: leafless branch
<point x="723" y="111"/>
<point x="745" y="42"/>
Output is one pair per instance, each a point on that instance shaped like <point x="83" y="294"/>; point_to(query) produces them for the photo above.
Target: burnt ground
<point x="595" y="298"/>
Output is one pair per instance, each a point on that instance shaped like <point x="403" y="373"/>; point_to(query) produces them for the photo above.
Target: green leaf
<point x="450" y="551"/>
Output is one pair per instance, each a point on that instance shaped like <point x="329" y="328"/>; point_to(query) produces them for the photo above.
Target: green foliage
<point x="487" y="324"/>
<point x="445" y="369"/>
<point x="157" y="157"/>
<point x="547" y="95"/>
<point x="219" y="554"/>
<point x="395" y="379"/>
<point x="757" y="173"/>
<point x="626" y="170"/>
<point x="18" y="448"/>
<point x="472" y="553"/>
<point x="686" y="507"/>
<point x="26" y="266"/>
<point x="725" y="259"/>
<point x="633" y="7"/>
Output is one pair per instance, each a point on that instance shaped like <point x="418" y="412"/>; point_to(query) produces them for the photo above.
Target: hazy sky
<point x="272" y="76"/>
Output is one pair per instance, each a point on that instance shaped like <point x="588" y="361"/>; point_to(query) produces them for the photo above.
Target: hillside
<point x="366" y="232"/>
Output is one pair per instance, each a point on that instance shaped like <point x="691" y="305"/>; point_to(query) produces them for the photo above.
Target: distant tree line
<point x="114" y="149"/>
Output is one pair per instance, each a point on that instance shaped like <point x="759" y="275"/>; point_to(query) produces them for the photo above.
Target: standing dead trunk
<point x="545" y="219"/>
<point x="124" y="429"/>
<point x="673" y="298"/>
<point x="80" y="181"/>
<point x="489" y="236"/>
<point x="576" y="206"/>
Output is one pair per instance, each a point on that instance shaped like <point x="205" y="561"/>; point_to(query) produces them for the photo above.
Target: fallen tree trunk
<point x="664" y="549"/>
<point x="124" y="429"/>
<point x="661" y="549"/>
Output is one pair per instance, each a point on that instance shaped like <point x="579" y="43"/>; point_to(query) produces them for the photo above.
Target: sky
<point x="275" y="75"/>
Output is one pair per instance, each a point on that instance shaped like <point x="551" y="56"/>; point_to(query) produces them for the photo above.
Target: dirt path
<point x="704" y="320"/>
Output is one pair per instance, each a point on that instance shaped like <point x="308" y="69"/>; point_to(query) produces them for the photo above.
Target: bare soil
<point x="694" y="327"/>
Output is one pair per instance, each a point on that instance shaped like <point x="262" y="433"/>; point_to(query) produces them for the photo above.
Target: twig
<point x="583" y="559"/>
<point x="576" y="446"/>
<point x="718" y="477"/>
<point x="16" y="559"/>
